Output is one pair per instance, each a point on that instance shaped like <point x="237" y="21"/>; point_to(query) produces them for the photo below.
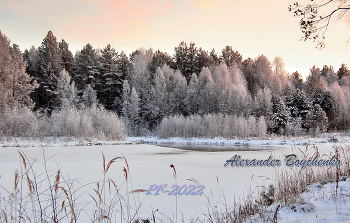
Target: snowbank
<point x="278" y="140"/>
<point x="320" y="203"/>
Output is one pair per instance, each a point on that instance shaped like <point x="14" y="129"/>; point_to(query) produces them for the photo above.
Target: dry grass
<point x="285" y="191"/>
<point x="50" y="197"/>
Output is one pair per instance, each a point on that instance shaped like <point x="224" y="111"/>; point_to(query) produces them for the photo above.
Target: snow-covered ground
<point x="56" y="142"/>
<point x="320" y="203"/>
<point x="71" y="141"/>
<point x="150" y="164"/>
<point x="326" y="137"/>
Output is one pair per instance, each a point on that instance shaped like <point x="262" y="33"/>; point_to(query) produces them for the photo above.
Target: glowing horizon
<point x="251" y="27"/>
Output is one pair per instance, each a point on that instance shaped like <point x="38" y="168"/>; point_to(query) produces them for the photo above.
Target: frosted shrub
<point x="252" y="126"/>
<point x="72" y="122"/>
<point x="89" y="122"/>
<point x="294" y="128"/>
<point x="86" y="126"/>
<point x="228" y="126"/>
<point x="211" y="126"/>
<point x="108" y="124"/>
<point x="44" y="127"/>
<point x="98" y="122"/>
<point x="261" y="127"/>
<point x="215" y="125"/>
<point x="18" y="122"/>
<point x="242" y="127"/>
<point x="65" y="122"/>
<point x="163" y="128"/>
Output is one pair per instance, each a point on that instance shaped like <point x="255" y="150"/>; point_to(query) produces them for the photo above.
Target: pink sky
<point x="252" y="27"/>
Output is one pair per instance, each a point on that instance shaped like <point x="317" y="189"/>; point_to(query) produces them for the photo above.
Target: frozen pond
<point x="215" y="147"/>
<point x="150" y="164"/>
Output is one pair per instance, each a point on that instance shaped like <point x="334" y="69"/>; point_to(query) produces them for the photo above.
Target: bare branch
<point x="313" y="25"/>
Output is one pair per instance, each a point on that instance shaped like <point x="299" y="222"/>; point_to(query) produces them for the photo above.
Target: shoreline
<point x="177" y="142"/>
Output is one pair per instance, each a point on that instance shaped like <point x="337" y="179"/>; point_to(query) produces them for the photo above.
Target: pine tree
<point x="15" y="83"/>
<point x="203" y="59"/>
<point x="159" y="59"/>
<point x="123" y="69"/>
<point x="184" y="59"/>
<point x="110" y="82"/>
<point x="31" y="57"/>
<point x="5" y="68"/>
<point x="250" y="75"/>
<point x="314" y="88"/>
<point x="50" y="60"/>
<point x="22" y="84"/>
<point x="297" y="80"/>
<point x="331" y="107"/>
<point x="49" y="69"/>
<point x="279" y="115"/>
<point x="343" y="71"/>
<point x="321" y="119"/>
<point x="87" y="66"/>
<point x="231" y="57"/>
<point x="214" y="58"/>
<point x="297" y="104"/>
<point x="316" y="120"/>
<point x="123" y="65"/>
<point x="67" y="60"/>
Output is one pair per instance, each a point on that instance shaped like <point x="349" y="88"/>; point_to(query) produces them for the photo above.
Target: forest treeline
<point x="46" y="91"/>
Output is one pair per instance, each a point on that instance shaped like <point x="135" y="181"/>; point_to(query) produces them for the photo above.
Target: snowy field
<point x="150" y="164"/>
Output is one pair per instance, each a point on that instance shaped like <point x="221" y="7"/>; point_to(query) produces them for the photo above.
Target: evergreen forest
<point x="102" y="93"/>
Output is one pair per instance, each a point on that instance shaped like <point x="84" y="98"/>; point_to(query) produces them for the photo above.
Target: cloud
<point x="125" y="24"/>
<point x="203" y="3"/>
<point x="139" y="9"/>
<point x="119" y="20"/>
<point x="208" y="4"/>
